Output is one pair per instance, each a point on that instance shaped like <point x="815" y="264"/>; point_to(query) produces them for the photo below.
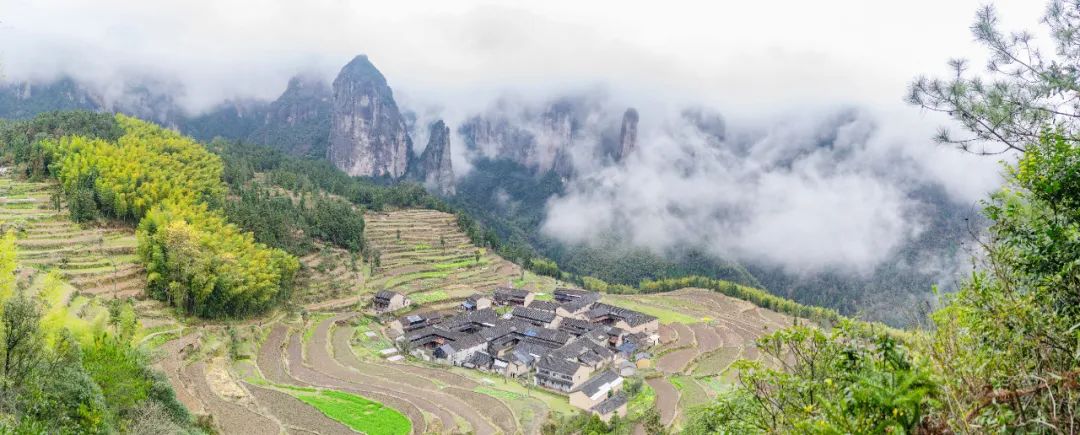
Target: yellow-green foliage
<point x="147" y="166"/>
<point x="7" y="265"/>
<point x="200" y="263"/>
<point x="195" y="260"/>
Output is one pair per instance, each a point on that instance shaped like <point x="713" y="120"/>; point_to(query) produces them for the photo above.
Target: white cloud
<point x="755" y="62"/>
<point x="813" y="191"/>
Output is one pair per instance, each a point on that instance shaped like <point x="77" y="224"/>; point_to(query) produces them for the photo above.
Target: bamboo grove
<point x="172" y="188"/>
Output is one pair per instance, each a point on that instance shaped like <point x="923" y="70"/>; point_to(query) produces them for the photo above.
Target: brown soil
<point x="437" y="402"/>
<point x="707" y="338"/>
<point x="667" y="399"/>
<point x="305" y="374"/>
<point x="172" y="364"/>
<point x="270" y="360"/>
<point x="229" y="417"/>
<point x="295" y="414"/>
<point x="686" y="336"/>
<point x="667" y="334"/>
<point x="676" y="361"/>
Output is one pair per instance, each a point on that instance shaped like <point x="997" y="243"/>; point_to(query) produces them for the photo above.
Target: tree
<point x="848" y="380"/>
<point x="1006" y="343"/>
<point x="22" y="339"/>
<point x="1004" y="346"/>
<point x="1025" y="90"/>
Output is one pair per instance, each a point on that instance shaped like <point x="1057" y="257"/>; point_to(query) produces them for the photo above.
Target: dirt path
<point x="297" y="416"/>
<point x="667" y="399"/>
<point x="230" y="417"/>
<point x="444" y="406"/>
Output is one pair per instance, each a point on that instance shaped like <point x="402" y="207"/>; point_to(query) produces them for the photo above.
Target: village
<point x="572" y="344"/>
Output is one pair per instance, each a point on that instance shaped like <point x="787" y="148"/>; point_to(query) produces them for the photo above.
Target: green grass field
<point x="665" y="315"/>
<point x="429" y="297"/>
<point x="357" y="413"/>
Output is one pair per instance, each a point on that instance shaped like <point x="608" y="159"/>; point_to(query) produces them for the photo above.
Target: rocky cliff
<point x="298" y="122"/>
<point x="434" y="168"/>
<point x="628" y="134"/>
<point x="368" y="135"/>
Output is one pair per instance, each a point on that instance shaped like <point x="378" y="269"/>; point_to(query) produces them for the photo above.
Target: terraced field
<point x="325" y="371"/>
<point x="710" y="332"/>
<point x="424" y="251"/>
<point x="96" y="260"/>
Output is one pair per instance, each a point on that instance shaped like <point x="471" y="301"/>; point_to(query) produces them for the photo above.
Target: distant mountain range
<point x="521" y="156"/>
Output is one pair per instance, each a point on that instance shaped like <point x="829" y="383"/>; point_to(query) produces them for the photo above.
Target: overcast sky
<point x="761" y="64"/>
<point x="739" y="54"/>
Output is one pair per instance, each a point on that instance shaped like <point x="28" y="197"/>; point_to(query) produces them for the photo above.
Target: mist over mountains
<point x="829" y="207"/>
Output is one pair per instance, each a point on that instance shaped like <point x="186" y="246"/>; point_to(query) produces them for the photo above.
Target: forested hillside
<point x="72" y="364"/>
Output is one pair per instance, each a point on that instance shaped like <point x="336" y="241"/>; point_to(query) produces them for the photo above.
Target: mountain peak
<point x="361" y="68"/>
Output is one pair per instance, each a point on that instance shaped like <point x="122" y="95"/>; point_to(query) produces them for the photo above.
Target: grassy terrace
<point x="358" y="413"/>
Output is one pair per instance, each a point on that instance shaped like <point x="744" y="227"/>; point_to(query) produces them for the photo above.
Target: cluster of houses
<point x="574" y="344"/>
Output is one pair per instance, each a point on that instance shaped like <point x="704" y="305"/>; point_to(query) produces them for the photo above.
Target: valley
<point x="320" y="364"/>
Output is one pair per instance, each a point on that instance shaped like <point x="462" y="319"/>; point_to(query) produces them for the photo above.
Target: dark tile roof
<point x="572" y="294"/>
<point x="575" y="326"/>
<point x="610" y="404"/>
<point x="480" y="360"/>
<point x="593" y="385"/>
<point x="528" y="353"/>
<point x="558" y="364"/>
<point x="476" y="297"/>
<point x="586" y="350"/>
<point x="429" y="331"/>
<point x="577" y="306"/>
<point x="485" y="317"/>
<point x="468" y="340"/>
<point x="501" y="328"/>
<point x="546" y="336"/>
<point x="503" y="293"/>
<point x="533" y="315"/>
<point x="544" y="306"/>
<point x="631" y="317"/>
<point x="385" y="295"/>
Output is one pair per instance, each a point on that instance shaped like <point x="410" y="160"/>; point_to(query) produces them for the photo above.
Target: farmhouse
<point x="544" y="306"/>
<point x="597" y="389"/>
<point x="565" y="341"/>
<point x="565" y="295"/>
<point x="476" y="302"/>
<point x="575" y="327"/>
<point x="574" y="303"/>
<point x="610" y="407"/>
<point x="629" y="320"/>
<point x="513" y="296"/>
<point x="387" y="301"/>
<point x="414" y="321"/>
<point x="560" y="374"/>
<point x="565" y="368"/>
<point x="544" y="319"/>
